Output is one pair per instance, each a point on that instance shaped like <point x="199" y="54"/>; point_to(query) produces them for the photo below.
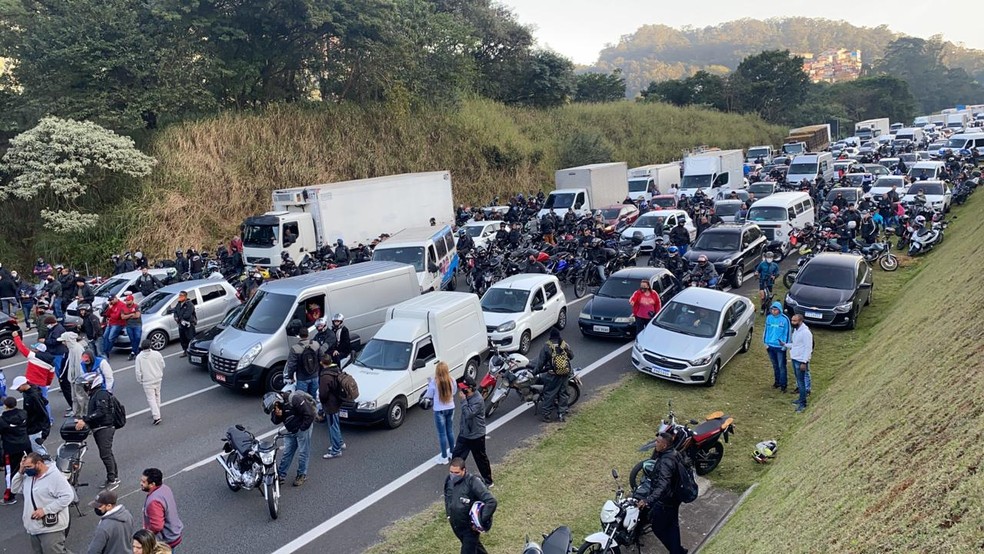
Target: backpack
<point x="119" y="412"/>
<point x="559" y="359"/>
<point x="348" y="388"/>
<point x="310" y="405"/>
<point x="308" y="362"/>
<point x="685" y="489"/>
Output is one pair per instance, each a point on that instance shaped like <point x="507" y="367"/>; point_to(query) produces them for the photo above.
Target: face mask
<point x="456" y="478"/>
<point x="31" y="472"/>
<point x="99" y="511"/>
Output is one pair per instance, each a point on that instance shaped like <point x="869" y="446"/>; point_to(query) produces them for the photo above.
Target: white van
<point x="965" y="141"/>
<point x="119" y="286"/>
<point x="431" y="252"/>
<point x="811" y="166"/>
<point x="927" y="170"/>
<point x="393" y="368"/>
<point x="778" y="214"/>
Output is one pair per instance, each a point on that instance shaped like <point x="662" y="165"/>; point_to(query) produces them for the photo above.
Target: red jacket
<point x="643" y="305"/>
<point x="113" y="312"/>
<point x="39" y="372"/>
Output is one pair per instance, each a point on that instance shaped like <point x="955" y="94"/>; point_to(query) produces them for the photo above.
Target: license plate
<point x="660" y="371"/>
<point x="814" y="315"/>
<point x="195" y="359"/>
<point x="600" y="328"/>
<point x="220" y="377"/>
<point x="343" y="413"/>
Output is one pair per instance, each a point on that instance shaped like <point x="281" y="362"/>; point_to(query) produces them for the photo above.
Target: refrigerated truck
<point x="586" y="188"/>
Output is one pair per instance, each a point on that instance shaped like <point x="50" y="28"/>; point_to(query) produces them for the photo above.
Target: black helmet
<point x="637" y="238"/>
<point x="85" y="306"/>
<point x="270" y="400"/>
<point x="284" y="255"/>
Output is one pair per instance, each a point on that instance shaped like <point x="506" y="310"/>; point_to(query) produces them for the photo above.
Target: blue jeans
<point x="133" y="332"/>
<point x="28" y="309"/>
<point x="109" y="339"/>
<point x="801" y="370"/>
<point x="47" y="407"/>
<point x="309" y="386"/>
<point x="683" y="250"/>
<point x="335" y="434"/>
<point x="299" y="442"/>
<point x="9" y="305"/>
<point x="444" y="420"/>
<point x="778" y="358"/>
<point x="809" y="382"/>
<point x="56" y="306"/>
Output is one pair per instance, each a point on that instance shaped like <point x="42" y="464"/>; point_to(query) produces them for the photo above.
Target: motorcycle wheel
<point x="789" y="277"/>
<point x="272" y="493"/>
<point x="491" y="408"/>
<point x="594" y="547"/>
<point x="580" y="287"/>
<point x="889" y="262"/>
<point x="230" y="459"/>
<point x="573" y="393"/>
<point x="634" y="476"/>
<point x="708" y="458"/>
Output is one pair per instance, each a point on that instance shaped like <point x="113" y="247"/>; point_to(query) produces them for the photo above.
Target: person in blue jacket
<point x="778" y="332"/>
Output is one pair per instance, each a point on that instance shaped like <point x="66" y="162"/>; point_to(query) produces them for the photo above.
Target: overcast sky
<point x="579" y="29"/>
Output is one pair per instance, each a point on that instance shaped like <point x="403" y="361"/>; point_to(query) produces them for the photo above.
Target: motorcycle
<point x="559" y="541"/>
<point x="251" y="463"/>
<point x="623" y="523"/>
<point x="68" y="459"/>
<point x="926" y="239"/>
<point x="512" y="373"/>
<point x="878" y="251"/>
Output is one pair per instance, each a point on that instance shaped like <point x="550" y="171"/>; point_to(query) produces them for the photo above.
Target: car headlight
<point x="507" y="326"/>
<point x="584" y="315"/>
<point x="249" y="356"/>
<point x="630" y="319"/>
<point x="726" y="261"/>
<point x="370" y="405"/>
<point x="844" y="308"/>
<point x="790" y="300"/>
<point x="649" y="237"/>
<point x="701" y="361"/>
<point x="267" y="457"/>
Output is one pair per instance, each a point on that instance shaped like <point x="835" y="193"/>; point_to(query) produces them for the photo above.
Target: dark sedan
<point x="733" y="249"/>
<point x="831" y="290"/>
<point x="608" y="313"/>
<point x="198" y="348"/>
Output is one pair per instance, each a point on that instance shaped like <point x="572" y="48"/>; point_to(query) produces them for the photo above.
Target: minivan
<point x="250" y="354"/>
<point x="431" y="252"/>
<point x="778" y="214"/>
<point x="811" y="166"/>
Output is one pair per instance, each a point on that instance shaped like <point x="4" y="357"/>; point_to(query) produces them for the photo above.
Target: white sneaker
<point x="440" y="461"/>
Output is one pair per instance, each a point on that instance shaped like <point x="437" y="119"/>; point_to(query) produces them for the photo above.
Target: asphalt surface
<point x="384" y="475"/>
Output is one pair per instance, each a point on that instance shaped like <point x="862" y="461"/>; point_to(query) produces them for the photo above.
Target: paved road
<point x="336" y="506"/>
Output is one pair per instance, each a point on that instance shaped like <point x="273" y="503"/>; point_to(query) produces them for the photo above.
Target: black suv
<point x="734" y="249"/>
<point x="7" y="327"/>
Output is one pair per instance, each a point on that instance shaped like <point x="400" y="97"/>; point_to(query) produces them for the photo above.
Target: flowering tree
<point x="59" y="160"/>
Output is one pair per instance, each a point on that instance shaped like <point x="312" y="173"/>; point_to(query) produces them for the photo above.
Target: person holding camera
<point x="47" y="496"/>
<point x="645" y="305"/>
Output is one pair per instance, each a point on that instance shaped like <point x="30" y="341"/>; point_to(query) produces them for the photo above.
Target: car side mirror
<point x="419" y="364"/>
<point x="730" y="333"/>
<point x="538" y="306"/>
<point x="294" y="328"/>
<point x="432" y="267"/>
<point x="865" y="285"/>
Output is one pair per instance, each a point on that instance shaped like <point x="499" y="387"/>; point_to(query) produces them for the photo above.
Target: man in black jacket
<point x="343" y="340"/>
<point x="296" y="411"/>
<point x="185" y="317"/>
<point x="147" y="283"/>
<point x="83" y="292"/>
<point x="680" y="236"/>
<point x="99" y="418"/>
<point x="461" y="490"/>
<point x="91" y="326"/>
<point x="664" y="508"/>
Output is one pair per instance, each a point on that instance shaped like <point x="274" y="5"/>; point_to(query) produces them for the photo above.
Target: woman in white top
<point x="440" y="389"/>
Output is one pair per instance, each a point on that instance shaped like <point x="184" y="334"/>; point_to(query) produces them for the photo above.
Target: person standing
<point x="91" y="327"/>
<point x="440" y="390"/>
<point x="160" y="511"/>
<point x="38" y="418"/>
<point x="302" y="365"/>
<point x="343" y="340"/>
<point x="134" y="324"/>
<point x="53" y="290"/>
<point x="13" y="437"/>
<point x="462" y="490"/>
<point x="296" y="411"/>
<point x="8" y="294"/>
<point x="39" y="372"/>
<point x="331" y="391"/>
<point x="27" y="296"/>
<point x="99" y="418"/>
<point x="554" y="364"/>
<point x="664" y="509"/>
<point x="645" y="305"/>
<point x="147" y="283"/>
<point x="113" y="314"/>
<point x="800" y="351"/>
<point x="48" y="496"/>
<point x="471" y="429"/>
<point x="148" y="367"/>
<point x="115" y="528"/>
<point x="777" y="333"/>
<point x="187" y="319"/>
<point x="680" y="236"/>
<point x="90" y="363"/>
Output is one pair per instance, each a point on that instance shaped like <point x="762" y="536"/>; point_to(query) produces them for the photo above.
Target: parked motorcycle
<point x="877" y="252"/>
<point x="559" y="541"/>
<point x="926" y="239"/>
<point x="68" y="459"/>
<point x="512" y="373"/>
<point x="623" y="523"/>
<point x="251" y="463"/>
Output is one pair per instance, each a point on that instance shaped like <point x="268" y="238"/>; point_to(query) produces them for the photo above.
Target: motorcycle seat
<point x="707" y="428"/>
<point x="241" y="441"/>
<point x="558" y="541"/>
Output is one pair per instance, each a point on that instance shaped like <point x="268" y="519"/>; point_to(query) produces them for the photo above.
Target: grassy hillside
<point x="890" y="459"/>
<point x="215" y="172"/>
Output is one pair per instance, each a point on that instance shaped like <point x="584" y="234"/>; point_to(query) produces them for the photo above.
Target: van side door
<point x="421" y="366"/>
<point x="555" y="302"/>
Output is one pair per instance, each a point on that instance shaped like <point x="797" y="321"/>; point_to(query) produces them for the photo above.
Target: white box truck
<point x="871" y="128"/>
<point x="764" y="153"/>
<point x="711" y="170"/>
<point x="303" y="219"/>
<point x="647" y="180"/>
<point x="957" y="120"/>
<point x="586" y="188"/>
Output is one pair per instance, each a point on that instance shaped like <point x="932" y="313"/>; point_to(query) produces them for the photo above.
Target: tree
<point x="870" y="97"/>
<point x="771" y="84"/>
<point x="702" y="88"/>
<point x="600" y="87"/>
<point x="934" y="86"/>
<point x="586" y="147"/>
<point x="59" y="160"/>
<point x="546" y="81"/>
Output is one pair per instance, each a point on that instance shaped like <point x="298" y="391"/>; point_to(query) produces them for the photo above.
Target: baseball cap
<point x="104" y="497"/>
<point x="129" y="298"/>
<point x="466" y="383"/>
<point x="19" y="382"/>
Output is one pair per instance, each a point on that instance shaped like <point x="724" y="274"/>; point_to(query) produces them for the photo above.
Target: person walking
<point x="440" y="391"/>
<point x="70" y="369"/>
<point x="134" y="324"/>
<point x="296" y="411"/>
<point x="38" y="418"/>
<point x="148" y="368"/>
<point x="160" y="511"/>
<point x="13" y="438"/>
<point x="331" y="390"/>
<point x="28" y="296"/>
<point x="777" y="333"/>
<point x="664" y="508"/>
<point x="800" y="351"/>
<point x="645" y="305"/>
<point x="99" y="418"/>
<point x="144" y="542"/>
<point x="47" y="496"/>
<point x="471" y="429"/>
<point x="554" y="364"/>
<point x="113" y="315"/>
<point x="462" y="491"/>
<point x="115" y="528"/>
<point x="187" y="319"/>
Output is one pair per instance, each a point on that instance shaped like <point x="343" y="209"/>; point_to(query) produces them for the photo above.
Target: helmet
<point x="178" y="253"/>
<point x="87" y="307"/>
<point x="834" y="209"/>
<point x="702" y="259"/>
<point x="769" y="256"/>
<point x="270" y="400"/>
<point x="338" y="317"/>
<point x="637" y="238"/>
<point x="920" y="219"/>
<point x="321" y="323"/>
<point x="284" y="255"/>
<point x="339" y="242"/>
<point x="672" y="250"/>
<point x="461" y="232"/>
<point x="852" y="224"/>
<point x="596" y="243"/>
<point x="89" y="380"/>
<point x="765" y="451"/>
<point x="476" y="516"/>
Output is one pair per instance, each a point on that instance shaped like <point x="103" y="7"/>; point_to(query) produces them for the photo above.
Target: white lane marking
<point x="409" y="476"/>
<point x="115" y="371"/>
<point x="173" y="400"/>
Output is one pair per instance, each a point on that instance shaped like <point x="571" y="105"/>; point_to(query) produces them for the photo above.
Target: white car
<point x="884" y="184"/>
<point x="482" y="232"/>
<point x="520" y="308"/>
<point x="938" y="195"/>
<point x="647" y="223"/>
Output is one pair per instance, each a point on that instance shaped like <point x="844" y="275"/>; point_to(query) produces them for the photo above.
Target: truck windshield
<point x="696" y="182"/>
<point x="387" y="355"/>
<point x="559" y="200"/>
<point x="792" y="148"/>
<point x="767" y="213"/>
<point x="754" y="153"/>
<point x="638" y="185"/>
<point x="803" y="169"/>
<point x="410" y="255"/>
<point x="264" y="313"/>
<point x="260" y="235"/>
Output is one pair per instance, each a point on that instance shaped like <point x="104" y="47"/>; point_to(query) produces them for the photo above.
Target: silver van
<point x="250" y="354"/>
<point x="212" y="298"/>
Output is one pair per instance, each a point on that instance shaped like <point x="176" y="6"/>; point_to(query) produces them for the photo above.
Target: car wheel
<point x="396" y="412"/>
<point x="274" y="380"/>
<point x="7" y="347"/>
<point x="157" y="340"/>
<point x="471" y="369"/>
<point x="871" y="292"/>
<point x="524" y="343"/>
<point x="747" y="344"/>
<point x="852" y="320"/>
<point x="739" y="277"/>
<point x="713" y="377"/>
<point x="562" y="319"/>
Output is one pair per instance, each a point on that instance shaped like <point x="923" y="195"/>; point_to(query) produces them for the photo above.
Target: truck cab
<point x="266" y="236"/>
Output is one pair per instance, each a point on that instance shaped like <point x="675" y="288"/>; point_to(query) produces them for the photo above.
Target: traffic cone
<point x="8" y="496"/>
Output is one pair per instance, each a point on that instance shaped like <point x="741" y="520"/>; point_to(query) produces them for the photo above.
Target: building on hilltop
<point x="832" y="66"/>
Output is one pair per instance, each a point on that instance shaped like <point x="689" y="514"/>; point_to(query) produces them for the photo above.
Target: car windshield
<point x="717" y="241"/>
<point x="559" y="200"/>
<point x="111" y="288"/>
<point x="232" y="315"/>
<point x="760" y="189"/>
<point x="918" y="173"/>
<point x="726" y="210"/>
<point x="850" y="195"/>
<point x="688" y="319"/>
<point x="803" y="169"/>
<point x="927" y="188"/>
<point x="908" y="157"/>
<point x="887" y="182"/>
<point x="260" y="235"/>
<point x="619" y="287"/>
<point x="889" y="162"/>
<point x="665" y="202"/>
<point x="767" y="213"/>
<point x="264" y="313"/>
<point x="505" y="301"/>
<point x="155" y="302"/>
<point x="856" y="179"/>
<point x="824" y="276"/>
<point x="387" y="355"/>
<point x="610" y="213"/>
<point x="412" y="255"/>
<point x="695" y="182"/>
<point x="650" y="221"/>
<point x="475" y="231"/>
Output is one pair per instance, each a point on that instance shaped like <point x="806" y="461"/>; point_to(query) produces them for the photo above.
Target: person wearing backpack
<point x="664" y="499"/>
<point x="296" y="411"/>
<point x="302" y="366"/>
<point x="554" y="367"/>
<point x="100" y="418"/>
<point x="335" y="386"/>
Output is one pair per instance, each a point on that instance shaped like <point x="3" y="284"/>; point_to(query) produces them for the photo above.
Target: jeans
<point x="56" y="306"/>
<point x="801" y="370"/>
<point x="777" y="356"/>
<point x="35" y="447"/>
<point x="299" y="442"/>
<point x="9" y="305"/>
<point x="683" y="249"/>
<point x="444" y="420"/>
<point x="133" y="332"/>
<point x="109" y="339"/>
<point x="463" y="446"/>
<point x="47" y="407"/>
<point x="335" y="434"/>
<point x="28" y="308"/>
<point x="104" y="442"/>
<point x="665" y="521"/>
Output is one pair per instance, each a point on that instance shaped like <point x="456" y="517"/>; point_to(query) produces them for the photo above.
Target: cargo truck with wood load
<point x="812" y="138"/>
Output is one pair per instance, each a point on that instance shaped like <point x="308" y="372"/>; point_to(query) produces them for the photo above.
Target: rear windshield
<point x="927" y="188"/>
<point x="824" y="276"/>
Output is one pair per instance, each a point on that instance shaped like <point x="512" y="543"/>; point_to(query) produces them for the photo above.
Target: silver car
<point x="119" y="286"/>
<point x="694" y="336"/>
<point x="212" y="298"/>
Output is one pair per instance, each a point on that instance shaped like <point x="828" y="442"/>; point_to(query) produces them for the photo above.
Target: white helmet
<point x="321" y="323"/>
<point x="852" y="224"/>
<point x="338" y="317"/>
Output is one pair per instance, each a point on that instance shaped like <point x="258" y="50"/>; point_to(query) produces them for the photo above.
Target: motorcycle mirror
<point x="694" y="422"/>
<point x="614" y="473"/>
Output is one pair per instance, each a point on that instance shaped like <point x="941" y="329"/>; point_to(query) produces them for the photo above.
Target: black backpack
<point x="119" y="411"/>
<point x="685" y="489"/>
<point x="308" y="362"/>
